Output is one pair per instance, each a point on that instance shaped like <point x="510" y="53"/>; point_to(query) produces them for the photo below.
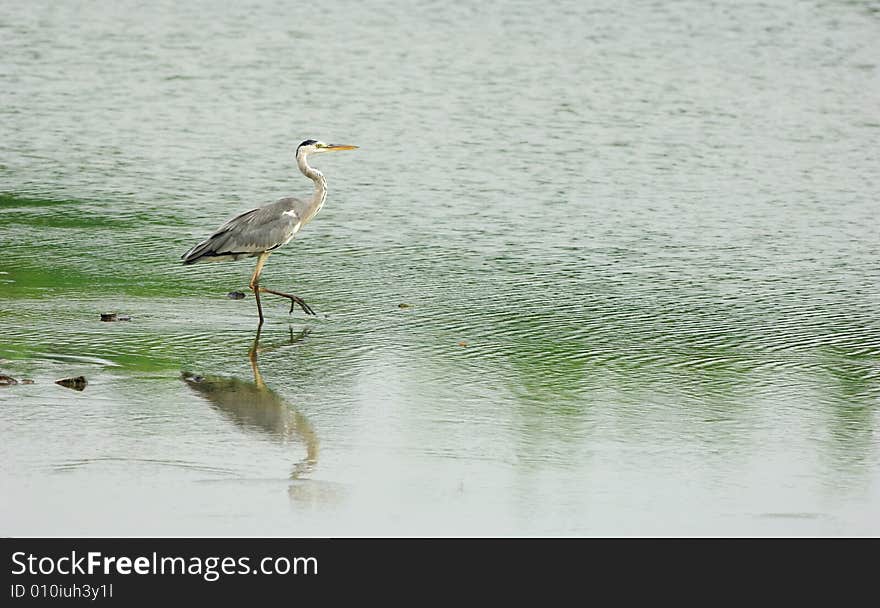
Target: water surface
<point x="637" y="247"/>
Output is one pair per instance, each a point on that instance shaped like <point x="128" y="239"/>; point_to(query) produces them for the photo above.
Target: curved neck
<point x="320" y="185"/>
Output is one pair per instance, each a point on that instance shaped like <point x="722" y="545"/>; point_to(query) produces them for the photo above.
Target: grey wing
<point x="250" y="233"/>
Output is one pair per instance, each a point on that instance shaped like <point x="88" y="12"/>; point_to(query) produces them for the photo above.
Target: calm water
<point x="638" y="244"/>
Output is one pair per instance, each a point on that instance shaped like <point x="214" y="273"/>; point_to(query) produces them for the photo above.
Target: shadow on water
<point x="256" y="408"/>
<point x="850" y="393"/>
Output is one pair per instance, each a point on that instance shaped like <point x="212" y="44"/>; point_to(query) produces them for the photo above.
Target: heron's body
<point x="258" y="232"/>
<point x="253" y="232"/>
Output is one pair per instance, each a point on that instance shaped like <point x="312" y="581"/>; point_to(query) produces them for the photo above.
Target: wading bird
<point x="258" y="232"/>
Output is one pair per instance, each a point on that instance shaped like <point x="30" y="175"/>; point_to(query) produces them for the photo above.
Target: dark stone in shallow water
<point x="7" y="380"/>
<point x="235" y="295"/>
<point x="108" y="316"/>
<point x="78" y="383"/>
<point x="27" y="381"/>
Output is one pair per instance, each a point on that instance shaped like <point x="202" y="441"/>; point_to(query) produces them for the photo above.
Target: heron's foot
<point x="293" y="301"/>
<point x="302" y="304"/>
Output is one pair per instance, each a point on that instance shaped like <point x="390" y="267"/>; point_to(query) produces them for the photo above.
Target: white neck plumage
<point x="320" y="183"/>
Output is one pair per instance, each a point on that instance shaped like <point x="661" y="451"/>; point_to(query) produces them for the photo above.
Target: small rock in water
<point x="403" y="306"/>
<point x="462" y="343"/>
<point x="27" y="381"/>
<point x="7" y="380"/>
<point x="108" y="316"/>
<point x="235" y="295"/>
<point x="78" y="383"/>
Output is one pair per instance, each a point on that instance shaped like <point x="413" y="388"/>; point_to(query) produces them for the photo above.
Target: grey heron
<point x="259" y="232"/>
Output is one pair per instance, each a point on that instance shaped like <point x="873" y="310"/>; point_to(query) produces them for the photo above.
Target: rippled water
<point x="636" y="248"/>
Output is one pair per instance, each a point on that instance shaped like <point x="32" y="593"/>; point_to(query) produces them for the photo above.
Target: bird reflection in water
<point x="255" y="407"/>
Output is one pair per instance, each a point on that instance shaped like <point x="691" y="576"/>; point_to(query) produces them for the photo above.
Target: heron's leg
<point x="255" y="287"/>
<point x="255" y="283"/>
<point x="259" y="306"/>
<point x="293" y="300"/>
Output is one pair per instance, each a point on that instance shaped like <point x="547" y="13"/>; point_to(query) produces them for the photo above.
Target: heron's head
<point x="311" y="146"/>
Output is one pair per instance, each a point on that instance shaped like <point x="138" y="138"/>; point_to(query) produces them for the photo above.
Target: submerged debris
<point x="26" y="381"/>
<point x="7" y="380"/>
<point x="123" y="318"/>
<point x="191" y="377"/>
<point x="78" y="383"/>
<point x="462" y="343"/>
<point x="235" y="295"/>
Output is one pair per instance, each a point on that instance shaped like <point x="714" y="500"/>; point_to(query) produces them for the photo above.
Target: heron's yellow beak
<point x="339" y="147"/>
